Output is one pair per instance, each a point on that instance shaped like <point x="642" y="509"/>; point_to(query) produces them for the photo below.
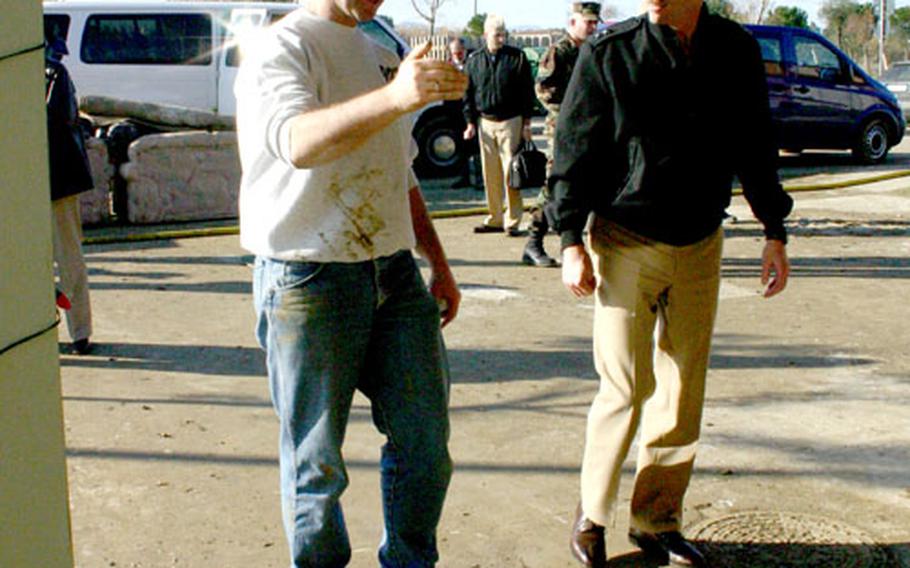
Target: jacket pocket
<point x="651" y="173"/>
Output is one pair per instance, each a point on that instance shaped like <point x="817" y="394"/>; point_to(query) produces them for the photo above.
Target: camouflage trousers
<point x="539" y="222"/>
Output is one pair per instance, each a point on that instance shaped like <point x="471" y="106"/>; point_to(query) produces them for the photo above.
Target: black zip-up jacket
<point x="500" y="87"/>
<point x="69" y="166"/>
<point x="650" y="137"/>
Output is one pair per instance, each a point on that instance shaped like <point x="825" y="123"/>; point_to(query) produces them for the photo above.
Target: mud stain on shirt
<point x="355" y="196"/>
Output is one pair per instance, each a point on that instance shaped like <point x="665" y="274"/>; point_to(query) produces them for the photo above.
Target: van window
<point x="148" y="39"/>
<point x="382" y="37"/>
<point x="815" y="61"/>
<point x="771" y="55"/>
<point x="56" y="26"/>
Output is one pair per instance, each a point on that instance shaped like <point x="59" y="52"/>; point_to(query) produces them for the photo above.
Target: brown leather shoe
<point x="668" y="548"/>
<point x="587" y="542"/>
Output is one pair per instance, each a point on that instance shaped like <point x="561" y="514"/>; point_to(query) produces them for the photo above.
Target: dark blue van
<point x="821" y="99"/>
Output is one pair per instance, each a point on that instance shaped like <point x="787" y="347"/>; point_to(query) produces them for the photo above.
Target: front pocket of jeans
<point x="298" y="275"/>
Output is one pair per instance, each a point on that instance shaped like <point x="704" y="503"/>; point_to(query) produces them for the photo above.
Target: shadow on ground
<point x="823" y="227"/>
<point x="870" y="267"/>
<point x="571" y="359"/>
<point x="733" y="554"/>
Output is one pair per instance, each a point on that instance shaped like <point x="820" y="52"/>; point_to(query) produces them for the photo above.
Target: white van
<point x="185" y="54"/>
<point x="180" y="53"/>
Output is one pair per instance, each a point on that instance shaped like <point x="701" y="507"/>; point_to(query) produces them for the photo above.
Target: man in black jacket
<point x="70" y="176"/>
<point x="661" y="111"/>
<point x="498" y="103"/>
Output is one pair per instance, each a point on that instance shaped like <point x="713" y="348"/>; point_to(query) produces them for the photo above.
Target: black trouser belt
<point x="495" y="118"/>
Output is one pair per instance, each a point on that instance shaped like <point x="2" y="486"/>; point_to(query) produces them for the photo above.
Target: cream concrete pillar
<point x="34" y="513"/>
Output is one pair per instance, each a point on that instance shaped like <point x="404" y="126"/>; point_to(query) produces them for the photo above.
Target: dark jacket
<point x="500" y="87"/>
<point x="69" y="168"/>
<point x="650" y="137"/>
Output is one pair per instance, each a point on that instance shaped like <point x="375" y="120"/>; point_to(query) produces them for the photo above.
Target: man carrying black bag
<point x="497" y="108"/>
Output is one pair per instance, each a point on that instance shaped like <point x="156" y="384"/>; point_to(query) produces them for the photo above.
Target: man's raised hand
<point x="421" y="80"/>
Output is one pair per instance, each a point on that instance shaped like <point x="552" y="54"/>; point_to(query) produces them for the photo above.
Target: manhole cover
<point x="784" y="540"/>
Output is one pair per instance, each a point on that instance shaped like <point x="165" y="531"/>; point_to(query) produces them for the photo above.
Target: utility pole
<point x="475" y="7"/>
<point x="882" y="29"/>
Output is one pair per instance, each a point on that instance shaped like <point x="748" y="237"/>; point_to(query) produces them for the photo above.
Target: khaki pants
<point x="654" y="316"/>
<point x="498" y="142"/>
<point x="71" y="266"/>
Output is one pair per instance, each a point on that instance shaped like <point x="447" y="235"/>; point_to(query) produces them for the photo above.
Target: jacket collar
<point x="667" y="40"/>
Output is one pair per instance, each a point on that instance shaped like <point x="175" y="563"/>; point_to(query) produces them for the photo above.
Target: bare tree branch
<point x="427" y="9"/>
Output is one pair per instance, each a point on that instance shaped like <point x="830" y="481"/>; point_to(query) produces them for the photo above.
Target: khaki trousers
<point x="71" y="266"/>
<point x="498" y="142"/>
<point x="654" y="316"/>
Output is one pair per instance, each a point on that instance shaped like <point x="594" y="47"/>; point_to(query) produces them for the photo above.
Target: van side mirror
<point x="830" y="74"/>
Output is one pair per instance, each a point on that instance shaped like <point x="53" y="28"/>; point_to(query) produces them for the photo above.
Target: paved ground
<point x="171" y="439"/>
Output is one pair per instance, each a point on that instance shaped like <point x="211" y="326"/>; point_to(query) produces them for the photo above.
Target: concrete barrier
<point x="95" y="205"/>
<point x="182" y="176"/>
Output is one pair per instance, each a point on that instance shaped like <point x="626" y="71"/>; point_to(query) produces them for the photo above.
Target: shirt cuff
<point x="284" y="141"/>
<point x="776" y="232"/>
<point x="570" y="238"/>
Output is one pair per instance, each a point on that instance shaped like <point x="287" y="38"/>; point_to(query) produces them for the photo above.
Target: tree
<point x="900" y="21"/>
<point x="754" y="12"/>
<point x="427" y="9"/>
<point x="860" y="41"/>
<point x="836" y="13"/>
<point x="788" y="16"/>
<point x="723" y="8"/>
<point x="898" y="46"/>
<point x="474" y="28"/>
<point x="853" y="27"/>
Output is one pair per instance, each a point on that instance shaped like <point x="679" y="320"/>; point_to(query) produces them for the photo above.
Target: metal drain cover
<point x="784" y="540"/>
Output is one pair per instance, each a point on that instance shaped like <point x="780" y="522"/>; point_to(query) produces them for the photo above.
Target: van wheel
<point x="440" y="148"/>
<point x="872" y="145"/>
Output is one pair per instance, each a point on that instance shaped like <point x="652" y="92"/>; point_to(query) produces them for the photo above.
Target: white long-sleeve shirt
<point x="352" y="209"/>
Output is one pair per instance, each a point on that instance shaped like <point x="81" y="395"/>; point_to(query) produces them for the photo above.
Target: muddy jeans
<point x="331" y="328"/>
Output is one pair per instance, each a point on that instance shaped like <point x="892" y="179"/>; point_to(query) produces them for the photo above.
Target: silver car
<point x="897" y="79"/>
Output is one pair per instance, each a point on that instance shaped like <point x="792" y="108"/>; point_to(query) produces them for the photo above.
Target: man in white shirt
<point x="329" y="205"/>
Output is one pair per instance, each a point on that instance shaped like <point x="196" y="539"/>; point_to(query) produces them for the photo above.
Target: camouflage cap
<point x="588" y="10"/>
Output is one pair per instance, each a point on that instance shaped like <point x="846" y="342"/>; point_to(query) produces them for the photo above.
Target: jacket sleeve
<point x="549" y="76"/>
<point x="62" y="107"/>
<point x="757" y="158"/>
<point x="469" y="106"/>
<point x="584" y="136"/>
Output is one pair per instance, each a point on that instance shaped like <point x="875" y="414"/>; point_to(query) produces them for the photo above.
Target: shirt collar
<point x="669" y="41"/>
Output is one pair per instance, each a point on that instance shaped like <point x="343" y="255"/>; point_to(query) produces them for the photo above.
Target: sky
<point x="542" y="13"/>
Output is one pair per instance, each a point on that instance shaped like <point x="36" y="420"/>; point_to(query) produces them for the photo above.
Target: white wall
<point x="34" y="514"/>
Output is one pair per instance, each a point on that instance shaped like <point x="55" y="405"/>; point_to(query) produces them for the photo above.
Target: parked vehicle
<point x="897" y="79"/>
<point x="821" y="99"/>
<point x="186" y="54"/>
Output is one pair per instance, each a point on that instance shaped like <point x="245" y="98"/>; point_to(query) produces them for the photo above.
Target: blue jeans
<point x="331" y="328"/>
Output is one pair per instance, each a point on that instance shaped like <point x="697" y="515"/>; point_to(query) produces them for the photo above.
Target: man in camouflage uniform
<point x="552" y="79"/>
